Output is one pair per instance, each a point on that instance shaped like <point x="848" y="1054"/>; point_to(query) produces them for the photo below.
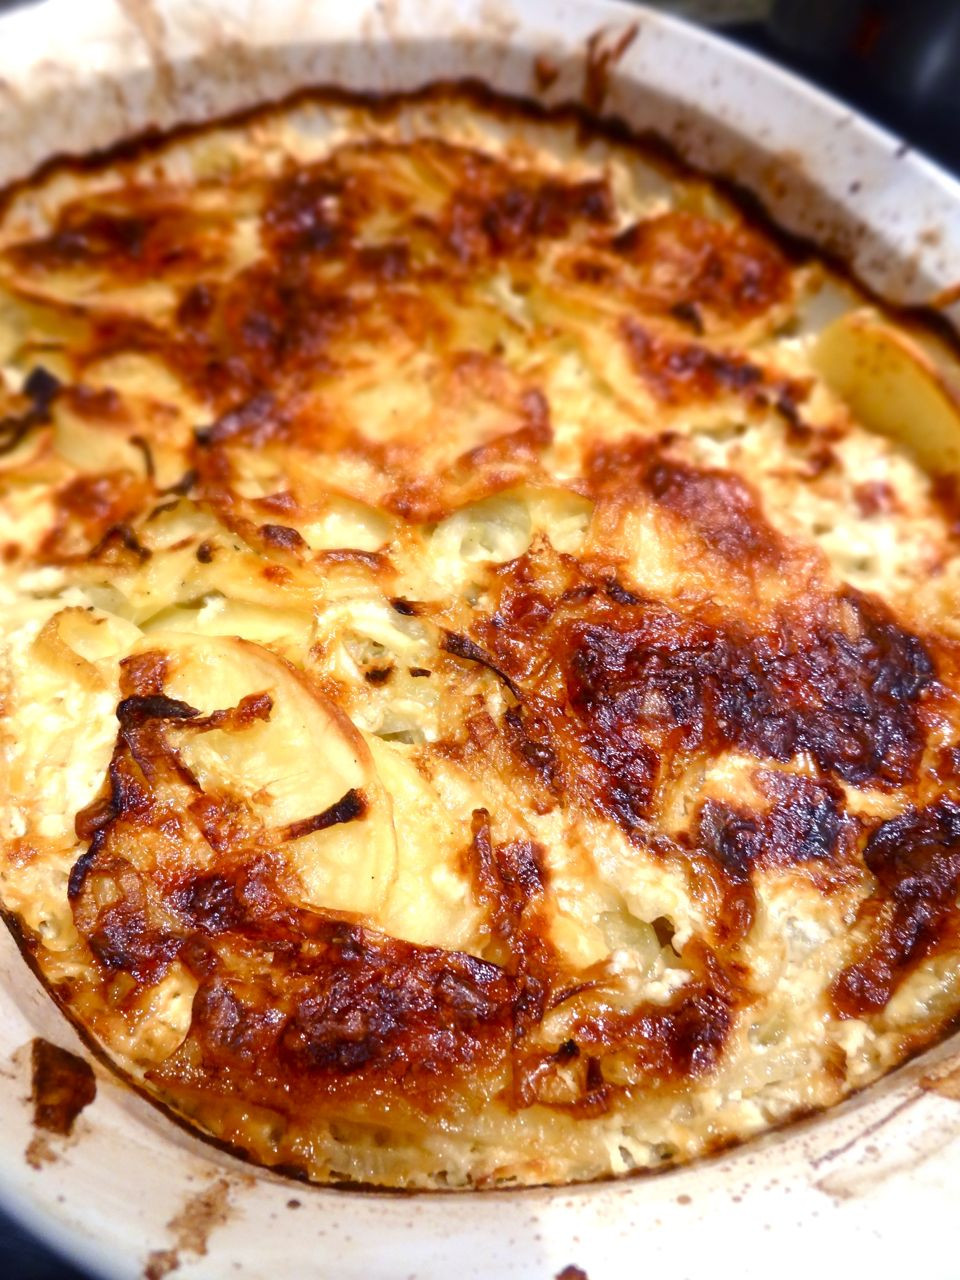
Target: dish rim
<point x="34" y="1208"/>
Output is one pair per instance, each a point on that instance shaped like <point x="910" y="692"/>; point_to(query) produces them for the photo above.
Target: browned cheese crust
<point x="479" y="707"/>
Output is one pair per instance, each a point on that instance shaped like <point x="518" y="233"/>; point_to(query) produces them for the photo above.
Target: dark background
<point x="897" y="61"/>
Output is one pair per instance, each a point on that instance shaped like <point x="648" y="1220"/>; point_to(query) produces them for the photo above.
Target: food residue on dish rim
<point x="946" y="1084"/>
<point x="190" y="1229"/>
<point x="605" y="48"/>
<point x="62" y="1085"/>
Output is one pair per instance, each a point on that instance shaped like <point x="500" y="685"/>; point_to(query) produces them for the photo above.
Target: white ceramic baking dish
<point x="867" y="1186"/>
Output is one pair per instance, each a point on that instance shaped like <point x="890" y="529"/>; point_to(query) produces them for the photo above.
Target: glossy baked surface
<point x="479" y="647"/>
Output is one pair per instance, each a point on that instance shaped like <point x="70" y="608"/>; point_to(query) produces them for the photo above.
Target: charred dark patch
<point x="115" y="902"/>
<point x="351" y="806"/>
<point x="275" y="321"/>
<point x="339" y="1010"/>
<point x="701" y="268"/>
<point x="375" y="561"/>
<point x="182" y="486"/>
<point x="93" y="518"/>
<point x="143" y="448"/>
<point x="196" y="306"/>
<point x="507" y="877"/>
<point x="785" y="404"/>
<point x="215" y="902"/>
<point x="282" y="537"/>
<point x="508" y="882"/>
<point x="84" y="864"/>
<point x="378" y="675"/>
<point x="845" y="692"/>
<point x="127" y="935"/>
<point x="136" y="710"/>
<point x="41" y="389"/>
<point x="642" y="687"/>
<point x="676" y="373"/>
<point x="681" y="1040"/>
<point x="252" y="421"/>
<point x="62" y="1085"/>
<point x="406" y="607"/>
<point x="530" y="737"/>
<point x="514" y="218"/>
<point x="385" y="262"/>
<point x="619" y="594"/>
<point x="688" y="313"/>
<point x="418" y="673"/>
<point x="732" y="842"/>
<point x="204" y="552"/>
<point x="144" y="241"/>
<point x="251" y="708"/>
<point x="804" y="824"/>
<point x="120" y="538"/>
<point x="464" y="647"/>
<point x="303" y="214"/>
<point x="720" y="506"/>
<point x="629" y="767"/>
<point x="916" y="861"/>
<point x="85" y="238"/>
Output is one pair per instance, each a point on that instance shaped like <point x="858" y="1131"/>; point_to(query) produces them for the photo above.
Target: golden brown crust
<point x="570" y="793"/>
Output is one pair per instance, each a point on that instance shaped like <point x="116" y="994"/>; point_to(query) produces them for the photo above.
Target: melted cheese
<point x="479" y="706"/>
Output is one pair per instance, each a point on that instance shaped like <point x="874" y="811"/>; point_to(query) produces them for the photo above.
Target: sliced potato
<point x="93" y="447"/>
<point x="290" y="768"/>
<point x="285" y="631"/>
<point x="892" y="386"/>
<point x="432" y="901"/>
<point x="172" y="576"/>
<point x="64" y="660"/>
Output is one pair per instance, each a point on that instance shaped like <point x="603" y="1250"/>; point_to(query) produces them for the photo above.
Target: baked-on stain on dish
<point x="605" y="48"/>
<point x="416" y="402"/>
<point x="62" y="1084"/>
<point x="944" y="1081"/>
<point x="190" y="1229"/>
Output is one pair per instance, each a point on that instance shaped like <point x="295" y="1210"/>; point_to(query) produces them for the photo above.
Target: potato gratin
<point x="479" y="646"/>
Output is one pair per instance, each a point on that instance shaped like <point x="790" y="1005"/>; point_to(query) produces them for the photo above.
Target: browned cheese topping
<point x="479" y="655"/>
